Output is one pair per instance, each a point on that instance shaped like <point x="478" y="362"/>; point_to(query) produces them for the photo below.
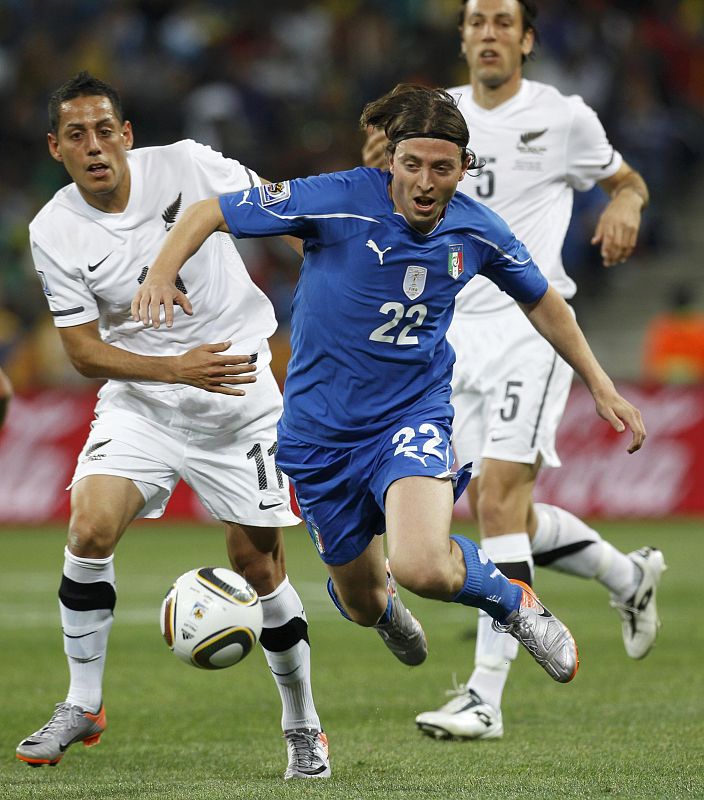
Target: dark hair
<point x="82" y="85"/>
<point x="410" y="111"/>
<point x="529" y="13"/>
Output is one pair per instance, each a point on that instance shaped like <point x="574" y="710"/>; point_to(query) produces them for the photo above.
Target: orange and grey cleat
<point x="68" y="724"/>
<point x="543" y="635"/>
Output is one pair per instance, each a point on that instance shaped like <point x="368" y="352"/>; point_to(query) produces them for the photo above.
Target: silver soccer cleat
<point x="543" y="635"/>
<point x="465" y="716"/>
<point x="404" y="635"/>
<point x="307" y="754"/>
<point x="68" y="724"/>
<point x="639" y="613"/>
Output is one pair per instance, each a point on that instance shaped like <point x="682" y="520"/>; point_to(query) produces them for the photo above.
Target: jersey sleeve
<point x="590" y="155"/>
<point x="70" y="300"/>
<point x="298" y="207"/>
<point x="218" y="174"/>
<point x="507" y="262"/>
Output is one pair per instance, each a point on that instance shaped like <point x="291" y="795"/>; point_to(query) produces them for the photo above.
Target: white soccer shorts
<point x="231" y="467"/>
<point x="509" y="390"/>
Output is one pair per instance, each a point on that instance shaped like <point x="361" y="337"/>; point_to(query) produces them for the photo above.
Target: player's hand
<point x="154" y="293"/>
<point x="203" y="368"/>
<point x="374" y="152"/>
<point x="621" y="414"/>
<point x="617" y="228"/>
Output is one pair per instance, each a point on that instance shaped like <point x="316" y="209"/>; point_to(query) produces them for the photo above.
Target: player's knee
<point x="261" y="570"/>
<point x="496" y="508"/>
<point x="426" y="578"/>
<point x="366" y="609"/>
<point x="92" y="534"/>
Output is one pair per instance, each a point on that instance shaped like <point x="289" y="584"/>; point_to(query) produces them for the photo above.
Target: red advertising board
<point x="45" y="432"/>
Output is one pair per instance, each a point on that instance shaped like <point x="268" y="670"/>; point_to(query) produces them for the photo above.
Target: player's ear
<point x="53" y="145"/>
<point x="528" y="42"/>
<point x="127" y="134"/>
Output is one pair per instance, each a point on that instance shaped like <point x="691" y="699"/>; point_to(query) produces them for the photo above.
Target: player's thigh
<point x="332" y="486"/>
<point x="130" y="446"/>
<point x="528" y="393"/>
<point x="473" y="342"/>
<point x="469" y="425"/>
<point x="418" y="518"/>
<point x="234" y="471"/>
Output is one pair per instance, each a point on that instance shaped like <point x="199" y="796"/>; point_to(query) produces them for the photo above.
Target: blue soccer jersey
<point x="375" y="297"/>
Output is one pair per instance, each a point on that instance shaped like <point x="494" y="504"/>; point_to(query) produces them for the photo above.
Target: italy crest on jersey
<point x="414" y="281"/>
<point x="314" y="531"/>
<point x="455" y="260"/>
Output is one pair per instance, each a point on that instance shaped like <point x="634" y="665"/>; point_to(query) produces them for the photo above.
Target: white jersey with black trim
<point x="90" y="262"/>
<point x="539" y="146"/>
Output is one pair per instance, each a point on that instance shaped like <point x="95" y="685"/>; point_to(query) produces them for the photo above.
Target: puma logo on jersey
<point x="244" y="201"/>
<point x="169" y="215"/>
<point x="372" y="245"/>
<point x="408" y="454"/>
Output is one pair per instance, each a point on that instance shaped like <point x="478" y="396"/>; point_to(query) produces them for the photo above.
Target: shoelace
<point x="303" y="746"/>
<point x="458" y="689"/>
<point x="63" y="710"/>
<point x="624" y="608"/>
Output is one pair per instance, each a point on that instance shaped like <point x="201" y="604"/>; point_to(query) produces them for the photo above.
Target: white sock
<point x="86" y="603"/>
<point x="492" y="661"/>
<point x="565" y="543"/>
<point x="285" y="642"/>
<point x="494" y="650"/>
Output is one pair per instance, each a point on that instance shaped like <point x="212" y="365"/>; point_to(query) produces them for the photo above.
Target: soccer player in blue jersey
<point x="365" y="432"/>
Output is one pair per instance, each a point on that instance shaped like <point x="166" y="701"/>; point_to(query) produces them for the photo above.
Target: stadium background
<point x="280" y="86"/>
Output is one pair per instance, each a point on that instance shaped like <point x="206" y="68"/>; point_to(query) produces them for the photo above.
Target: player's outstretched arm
<point x="619" y="223"/>
<point x="198" y="222"/>
<point x="553" y="319"/>
<point x="202" y="366"/>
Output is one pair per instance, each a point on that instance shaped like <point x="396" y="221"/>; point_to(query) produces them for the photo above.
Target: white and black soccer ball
<point x="211" y="618"/>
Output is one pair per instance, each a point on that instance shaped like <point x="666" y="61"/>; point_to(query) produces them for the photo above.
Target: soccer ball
<point x="211" y="618"/>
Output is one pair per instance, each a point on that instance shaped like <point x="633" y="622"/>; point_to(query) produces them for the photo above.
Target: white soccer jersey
<point x="539" y="146"/>
<point x="90" y="262"/>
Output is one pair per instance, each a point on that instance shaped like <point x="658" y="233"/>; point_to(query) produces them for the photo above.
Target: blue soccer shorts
<point x="341" y="490"/>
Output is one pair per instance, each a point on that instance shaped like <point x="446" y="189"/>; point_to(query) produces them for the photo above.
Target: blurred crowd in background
<point x="279" y="85"/>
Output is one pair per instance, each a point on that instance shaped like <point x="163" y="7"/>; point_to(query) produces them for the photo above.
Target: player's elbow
<point x="84" y="364"/>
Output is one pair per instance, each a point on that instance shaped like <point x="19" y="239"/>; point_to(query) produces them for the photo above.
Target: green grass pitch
<point x="621" y="729"/>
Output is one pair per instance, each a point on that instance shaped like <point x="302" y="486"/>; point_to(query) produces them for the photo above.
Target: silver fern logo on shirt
<point x="171" y="212"/>
<point x="414" y="281"/>
<point x="526" y="142"/>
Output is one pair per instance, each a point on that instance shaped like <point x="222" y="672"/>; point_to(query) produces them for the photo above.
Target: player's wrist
<point x="632" y="195"/>
<point x="170" y="371"/>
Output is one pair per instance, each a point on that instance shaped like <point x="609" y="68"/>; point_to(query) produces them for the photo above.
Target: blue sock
<point x="486" y="587"/>
<point x="385" y="617"/>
